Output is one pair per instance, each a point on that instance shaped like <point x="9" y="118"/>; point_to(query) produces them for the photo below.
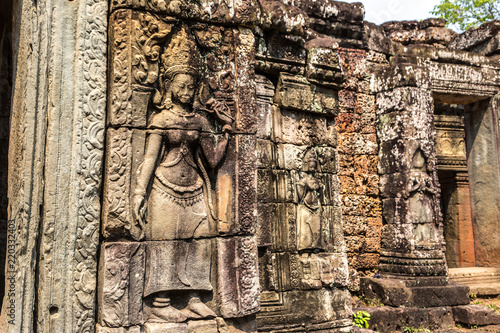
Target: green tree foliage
<point x="468" y="13"/>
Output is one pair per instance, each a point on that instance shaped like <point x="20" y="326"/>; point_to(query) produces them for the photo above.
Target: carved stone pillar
<point x="179" y="210"/>
<point x="55" y="165"/>
<point x="412" y="237"/>
<point x="412" y="264"/>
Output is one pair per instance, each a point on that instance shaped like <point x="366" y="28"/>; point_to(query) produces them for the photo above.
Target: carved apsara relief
<point x="179" y="172"/>
<point x="178" y="205"/>
<point x="420" y="194"/>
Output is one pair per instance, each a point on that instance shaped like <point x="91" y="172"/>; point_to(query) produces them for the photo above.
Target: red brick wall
<point x="358" y="158"/>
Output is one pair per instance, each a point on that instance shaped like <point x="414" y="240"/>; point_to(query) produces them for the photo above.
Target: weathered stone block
<point x="393" y="184"/>
<point x="375" y="57"/>
<point x="364" y="164"/>
<point x="265" y="95"/>
<point x="354" y="244"/>
<point x="290" y="157"/>
<point x="475" y="36"/>
<point x="374" y="226"/>
<point x="397" y="155"/>
<point x="397" y="237"/>
<point x="164" y="327"/>
<point x="347" y="99"/>
<point x="323" y="62"/>
<point x="303" y="128"/>
<point x="358" y="144"/>
<point x="360" y="184"/>
<point x="121" y="283"/>
<point x="285" y="227"/>
<point x="354" y="225"/>
<point x="282" y="17"/>
<point x="368" y="123"/>
<point x="474" y="81"/>
<point x="285" y="185"/>
<point x="265" y="154"/>
<point x="265" y="185"/>
<point x="331" y="307"/>
<point x="361" y="205"/>
<point x="405" y="99"/>
<point x="202" y="326"/>
<point x="419" y="33"/>
<point x="295" y="92"/>
<point x="353" y="64"/>
<point x="265" y="227"/>
<point x="131" y="329"/>
<point x="328" y="159"/>
<point x="281" y="53"/>
<point x="322" y="270"/>
<point x="400" y="75"/>
<point x="238" y="287"/>
<point x="397" y="293"/>
<point x="124" y="153"/>
<point x="236" y="186"/>
<point x="332" y="10"/>
<point x="475" y="315"/>
<point x="365" y="103"/>
<point x="372" y="244"/>
<point x="489" y="47"/>
<point x="348" y="122"/>
<point x="389" y="319"/>
<point x="405" y="125"/>
<point x="364" y="261"/>
<point x="374" y="38"/>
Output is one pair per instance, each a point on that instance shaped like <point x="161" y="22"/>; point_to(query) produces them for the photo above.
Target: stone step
<point x="388" y="319"/>
<point x="475" y="315"/>
<point x="483" y="281"/>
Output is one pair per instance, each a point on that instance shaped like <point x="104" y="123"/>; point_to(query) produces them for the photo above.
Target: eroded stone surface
<point x="476" y="315"/>
<point x="274" y="149"/>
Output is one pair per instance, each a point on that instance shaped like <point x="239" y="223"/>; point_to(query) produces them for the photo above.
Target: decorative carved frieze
<point x="219" y="11"/>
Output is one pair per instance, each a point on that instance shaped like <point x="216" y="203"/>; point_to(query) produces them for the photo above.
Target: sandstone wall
<point x="256" y="159"/>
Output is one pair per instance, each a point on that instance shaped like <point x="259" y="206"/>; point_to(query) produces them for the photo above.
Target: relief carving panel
<point x="301" y="245"/>
<point x="180" y="172"/>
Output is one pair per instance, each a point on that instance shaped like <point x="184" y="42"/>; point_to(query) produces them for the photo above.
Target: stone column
<point x="412" y="241"/>
<point x="412" y="264"/>
<point x="179" y="211"/>
<point x="55" y="159"/>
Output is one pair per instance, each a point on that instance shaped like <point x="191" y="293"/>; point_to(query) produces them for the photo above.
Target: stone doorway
<point x="467" y="154"/>
<point x="5" y="106"/>
<point x="453" y="176"/>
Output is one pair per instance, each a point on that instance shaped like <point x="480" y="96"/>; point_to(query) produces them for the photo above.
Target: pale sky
<point x="380" y="11"/>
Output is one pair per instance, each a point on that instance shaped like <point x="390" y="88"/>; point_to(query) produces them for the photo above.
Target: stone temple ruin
<point x="218" y="166"/>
